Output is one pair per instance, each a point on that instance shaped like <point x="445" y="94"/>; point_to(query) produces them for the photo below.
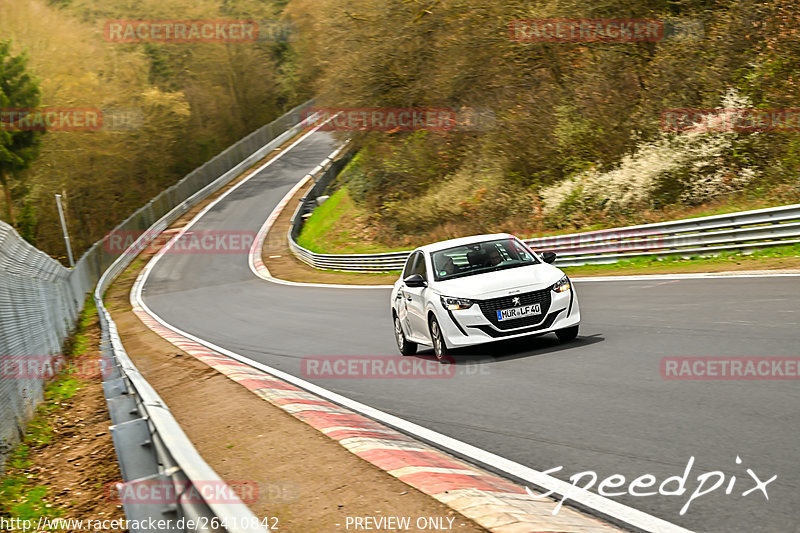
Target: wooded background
<point x="575" y="139"/>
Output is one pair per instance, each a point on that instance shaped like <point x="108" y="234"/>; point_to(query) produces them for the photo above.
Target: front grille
<point x="489" y="308"/>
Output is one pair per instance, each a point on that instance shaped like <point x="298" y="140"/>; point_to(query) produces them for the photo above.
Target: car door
<point x="401" y="304"/>
<point x="415" y="299"/>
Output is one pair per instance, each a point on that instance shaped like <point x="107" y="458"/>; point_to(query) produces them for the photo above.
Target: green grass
<point x="20" y="496"/>
<point x="333" y="228"/>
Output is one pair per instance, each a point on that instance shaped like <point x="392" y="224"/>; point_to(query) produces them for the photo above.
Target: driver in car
<point x="494" y="257"/>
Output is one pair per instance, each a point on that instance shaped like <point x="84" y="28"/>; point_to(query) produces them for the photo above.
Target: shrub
<point x="691" y="167"/>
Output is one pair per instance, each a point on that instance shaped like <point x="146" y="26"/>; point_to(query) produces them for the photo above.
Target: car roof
<point x="451" y="243"/>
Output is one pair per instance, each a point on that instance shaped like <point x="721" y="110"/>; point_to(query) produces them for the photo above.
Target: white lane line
<point x="257" y="266"/>
<point x="600" y="504"/>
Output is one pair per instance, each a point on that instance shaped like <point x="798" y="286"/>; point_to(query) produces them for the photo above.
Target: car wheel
<point x="437" y="338"/>
<point x="406" y="347"/>
<point x="568" y="334"/>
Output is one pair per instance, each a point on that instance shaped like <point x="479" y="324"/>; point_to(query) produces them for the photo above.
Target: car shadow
<point x="508" y="350"/>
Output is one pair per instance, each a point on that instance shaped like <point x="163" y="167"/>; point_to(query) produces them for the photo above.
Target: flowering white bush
<point x="696" y="159"/>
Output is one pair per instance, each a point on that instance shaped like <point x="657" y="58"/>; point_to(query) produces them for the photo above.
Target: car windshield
<point x="480" y="257"/>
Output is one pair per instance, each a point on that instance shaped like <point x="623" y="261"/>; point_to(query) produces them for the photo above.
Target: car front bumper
<point x="468" y="327"/>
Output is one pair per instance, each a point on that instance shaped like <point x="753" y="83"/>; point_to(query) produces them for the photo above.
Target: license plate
<point x="519" y="312"/>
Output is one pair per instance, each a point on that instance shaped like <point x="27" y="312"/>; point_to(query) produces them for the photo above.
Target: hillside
<point x="578" y="137"/>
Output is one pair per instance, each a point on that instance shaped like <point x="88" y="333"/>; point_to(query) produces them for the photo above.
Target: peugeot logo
<point x="515" y="300"/>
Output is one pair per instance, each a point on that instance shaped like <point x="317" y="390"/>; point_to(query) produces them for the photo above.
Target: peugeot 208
<point x="473" y="290"/>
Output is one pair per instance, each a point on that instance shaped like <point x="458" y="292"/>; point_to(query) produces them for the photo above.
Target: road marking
<point x="600" y="504"/>
<point x="257" y="265"/>
<point x="540" y="480"/>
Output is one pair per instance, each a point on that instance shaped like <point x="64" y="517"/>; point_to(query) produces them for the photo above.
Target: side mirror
<point x="548" y="257"/>
<point x="415" y="280"/>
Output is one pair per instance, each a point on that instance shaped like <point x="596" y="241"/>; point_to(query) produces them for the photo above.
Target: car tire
<point x="568" y="334"/>
<point x="437" y="339"/>
<point x="405" y="346"/>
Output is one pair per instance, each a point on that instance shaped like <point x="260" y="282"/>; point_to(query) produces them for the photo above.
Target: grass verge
<point x="339" y="226"/>
<point x="784" y="257"/>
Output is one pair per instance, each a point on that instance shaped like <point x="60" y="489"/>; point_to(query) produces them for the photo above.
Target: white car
<point x="480" y="289"/>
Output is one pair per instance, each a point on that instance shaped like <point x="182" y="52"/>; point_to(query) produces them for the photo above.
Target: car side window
<point x="419" y="266"/>
<point x="410" y="265"/>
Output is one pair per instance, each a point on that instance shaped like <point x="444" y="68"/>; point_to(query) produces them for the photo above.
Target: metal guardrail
<point x="745" y="230"/>
<point x="151" y="447"/>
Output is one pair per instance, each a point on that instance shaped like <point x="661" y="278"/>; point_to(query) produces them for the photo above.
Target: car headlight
<point x="562" y="285"/>
<point x="453" y="304"/>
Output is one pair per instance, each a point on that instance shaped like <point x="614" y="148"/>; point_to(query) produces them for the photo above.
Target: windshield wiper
<point x="503" y="267"/>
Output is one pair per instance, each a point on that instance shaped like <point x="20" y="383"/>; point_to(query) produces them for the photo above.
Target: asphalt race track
<point x="597" y="404"/>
